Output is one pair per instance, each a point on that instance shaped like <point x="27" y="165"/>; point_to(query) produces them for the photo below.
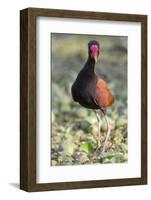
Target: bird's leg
<point x="108" y="132"/>
<point x="99" y="130"/>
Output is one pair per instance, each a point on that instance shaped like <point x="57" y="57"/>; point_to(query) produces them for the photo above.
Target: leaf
<point x="82" y="113"/>
<point x="118" y="158"/>
<point x="87" y="147"/>
<point x="85" y="126"/>
<point x="124" y="147"/>
<point x="112" y="157"/>
<point x="121" y="122"/>
<point x="84" y="158"/>
<point x="52" y="117"/>
<point x="68" y="147"/>
<point x="54" y="162"/>
<point x="106" y="157"/>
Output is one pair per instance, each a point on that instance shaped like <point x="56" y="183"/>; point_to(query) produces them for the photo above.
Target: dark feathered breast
<point x="83" y="91"/>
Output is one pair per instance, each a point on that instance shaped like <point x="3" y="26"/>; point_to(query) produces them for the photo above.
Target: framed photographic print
<point x="83" y="99"/>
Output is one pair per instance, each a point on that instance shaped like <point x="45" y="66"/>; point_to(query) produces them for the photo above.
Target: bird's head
<point x="94" y="50"/>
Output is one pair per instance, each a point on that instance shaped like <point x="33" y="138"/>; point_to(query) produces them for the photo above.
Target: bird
<point x="92" y="92"/>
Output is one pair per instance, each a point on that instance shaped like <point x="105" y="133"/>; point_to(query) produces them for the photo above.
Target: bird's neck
<point x="89" y="66"/>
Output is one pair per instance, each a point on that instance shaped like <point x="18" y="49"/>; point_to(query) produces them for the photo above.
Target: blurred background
<point x="74" y="129"/>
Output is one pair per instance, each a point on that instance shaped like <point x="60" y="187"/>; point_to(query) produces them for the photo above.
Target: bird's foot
<point x="98" y="150"/>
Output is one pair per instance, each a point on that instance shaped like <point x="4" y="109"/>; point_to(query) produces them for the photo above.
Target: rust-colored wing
<point x="103" y="96"/>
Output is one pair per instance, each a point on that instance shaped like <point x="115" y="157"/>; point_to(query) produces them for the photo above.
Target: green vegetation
<point x="74" y="129"/>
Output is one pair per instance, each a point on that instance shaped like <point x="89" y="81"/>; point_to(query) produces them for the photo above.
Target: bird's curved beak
<point x="95" y="57"/>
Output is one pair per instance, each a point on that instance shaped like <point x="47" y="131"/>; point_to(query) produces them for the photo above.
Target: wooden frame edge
<point x="144" y="99"/>
<point x="24" y="182"/>
<point x="27" y="100"/>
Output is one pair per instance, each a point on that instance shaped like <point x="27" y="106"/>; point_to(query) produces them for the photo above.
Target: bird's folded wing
<point x="103" y="96"/>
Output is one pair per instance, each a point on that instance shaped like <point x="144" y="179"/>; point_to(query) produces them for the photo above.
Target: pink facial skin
<point x="95" y="50"/>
